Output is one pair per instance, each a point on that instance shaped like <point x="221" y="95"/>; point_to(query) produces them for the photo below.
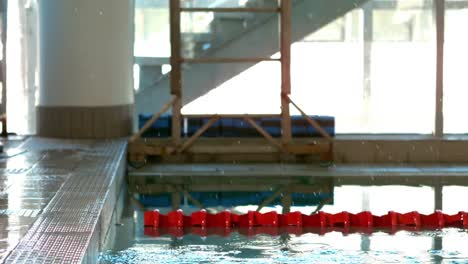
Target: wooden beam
<point x="152" y="120"/>
<point x="177" y="121"/>
<point x="440" y="32"/>
<point x="197" y="134"/>
<point x="215" y="146"/>
<point x="231" y="9"/>
<point x="285" y="48"/>
<point x="146" y="149"/>
<point x="286" y="132"/>
<point x="176" y="70"/>
<point x="264" y="133"/>
<point x="312" y="122"/>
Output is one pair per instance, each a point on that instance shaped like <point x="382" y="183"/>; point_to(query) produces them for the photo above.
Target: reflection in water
<point x="428" y="246"/>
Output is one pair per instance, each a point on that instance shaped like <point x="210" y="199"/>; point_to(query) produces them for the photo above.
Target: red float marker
<point x="151" y="218"/>
<point x="315" y="220"/>
<point x="338" y="220"/>
<point x="220" y="220"/>
<point x="410" y="219"/>
<point x="253" y="223"/>
<point x="362" y="220"/>
<point x="290" y="219"/>
<point x="199" y="218"/>
<point x="436" y="220"/>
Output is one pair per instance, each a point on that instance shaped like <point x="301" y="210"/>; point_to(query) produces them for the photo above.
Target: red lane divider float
<point x="202" y="223"/>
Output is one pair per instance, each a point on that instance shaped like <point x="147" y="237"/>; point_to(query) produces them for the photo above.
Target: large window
<point x="373" y="68"/>
<point x="376" y="71"/>
<point x="456" y="58"/>
<point x="402" y="68"/>
<point x="152" y="37"/>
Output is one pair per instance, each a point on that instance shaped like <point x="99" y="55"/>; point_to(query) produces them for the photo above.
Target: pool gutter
<point x="74" y="225"/>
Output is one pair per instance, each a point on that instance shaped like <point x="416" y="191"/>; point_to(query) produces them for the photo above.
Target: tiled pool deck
<point x="57" y="199"/>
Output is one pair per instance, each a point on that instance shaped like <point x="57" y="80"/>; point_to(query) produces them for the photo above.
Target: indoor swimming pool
<point x="448" y="245"/>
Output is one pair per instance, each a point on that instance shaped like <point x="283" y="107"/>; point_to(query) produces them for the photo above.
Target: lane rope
<point x="202" y="223"/>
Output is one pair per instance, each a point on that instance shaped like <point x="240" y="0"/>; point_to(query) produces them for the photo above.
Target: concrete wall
<point x="401" y="149"/>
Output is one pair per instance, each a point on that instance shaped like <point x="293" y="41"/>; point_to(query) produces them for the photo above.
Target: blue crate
<point x="214" y="130"/>
<point x="298" y="126"/>
<point x="301" y="128"/>
<point x="272" y="125"/>
<point x="195" y="123"/>
<point x="237" y="127"/>
<point x="327" y="123"/>
<point x="160" y="128"/>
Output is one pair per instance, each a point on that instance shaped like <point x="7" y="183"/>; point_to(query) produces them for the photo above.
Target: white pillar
<point x="85" y="68"/>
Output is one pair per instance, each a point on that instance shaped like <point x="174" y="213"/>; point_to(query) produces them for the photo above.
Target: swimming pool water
<point x="436" y="246"/>
<point x="429" y="246"/>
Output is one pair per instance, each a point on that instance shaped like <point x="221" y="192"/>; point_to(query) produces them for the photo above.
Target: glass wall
<point x="327" y="72"/>
<point x="254" y="91"/>
<point x="22" y="66"/>
<point x="455" y="61"/>
<point x="152" y="37"/>
<point x="373" y="68"/>
<point x="402" y="68"/>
